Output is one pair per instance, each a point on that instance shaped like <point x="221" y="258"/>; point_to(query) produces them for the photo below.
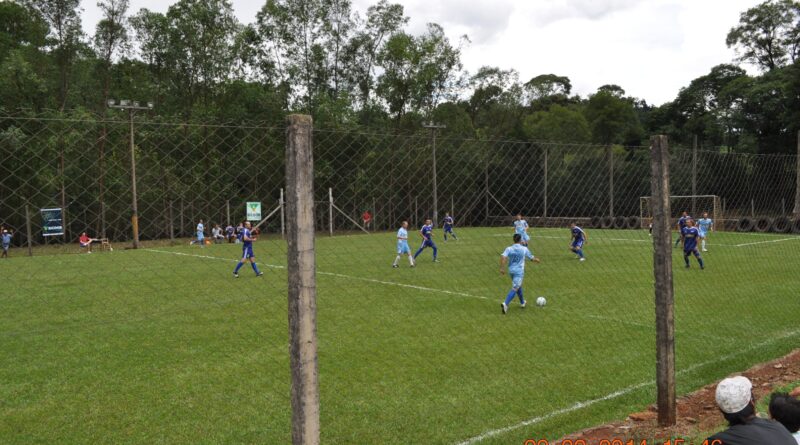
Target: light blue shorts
<point x="702" y="234"/>
<point x="402" y="247"/>
<point x="516" y="280"/>
<point x="525" y="237"/>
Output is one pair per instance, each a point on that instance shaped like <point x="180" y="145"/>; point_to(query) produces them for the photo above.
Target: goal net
<point x="694" y="205"/>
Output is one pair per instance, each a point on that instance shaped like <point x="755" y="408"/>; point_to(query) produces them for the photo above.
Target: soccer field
<point x="162" y="345"/>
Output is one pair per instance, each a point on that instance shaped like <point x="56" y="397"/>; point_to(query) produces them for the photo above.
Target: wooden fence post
<point x="664" y="293"/>
<point x="302" y="281"/>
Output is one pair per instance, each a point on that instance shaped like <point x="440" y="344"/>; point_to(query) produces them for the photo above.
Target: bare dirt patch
<point x="697" y="411"/>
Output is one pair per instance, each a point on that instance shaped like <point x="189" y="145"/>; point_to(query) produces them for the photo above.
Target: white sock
<point x="704" y="244"/>
<point x="411" y="260"/>
<point x="396" y="260"/>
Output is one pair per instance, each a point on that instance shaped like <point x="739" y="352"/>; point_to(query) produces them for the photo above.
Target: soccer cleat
<point x="260" y="274"/>
<point x="435" y="261"/>
<point x="235" y="275"/>
<point x="705" y="250"/>
<point x="523" y="305"/>
<point x="504" y="308"/>
<point x="582" y="259"/>
<point x="395" y="266"/>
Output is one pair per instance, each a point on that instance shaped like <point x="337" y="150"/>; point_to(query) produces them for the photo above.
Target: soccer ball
<point x="541" y="301"/>
<point x="110" y="249"/>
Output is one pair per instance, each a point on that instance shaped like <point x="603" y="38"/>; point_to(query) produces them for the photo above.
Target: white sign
<point x="254" y="211"/>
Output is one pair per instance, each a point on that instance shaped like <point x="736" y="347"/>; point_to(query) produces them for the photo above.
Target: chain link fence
<point x="162" y="343"/>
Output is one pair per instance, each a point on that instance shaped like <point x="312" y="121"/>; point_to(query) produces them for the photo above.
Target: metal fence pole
<point x="544" y="212"/>
<point x="662" y="270"/>
<point x="797" y="182"/>
<point x="171" y="224"/>
<point x="610" y="151"/>
<point x="28" y="229"/>
<point x="694" y="174"/>
<point x="302" y="282"/>
<point x="330" y="210"/>
<point x="134" y="198"/>
<point x="283" y="217"/>
<point x="228" y="211"/>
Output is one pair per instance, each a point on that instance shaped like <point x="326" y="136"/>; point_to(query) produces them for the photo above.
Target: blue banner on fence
<point x="52" y="222"/>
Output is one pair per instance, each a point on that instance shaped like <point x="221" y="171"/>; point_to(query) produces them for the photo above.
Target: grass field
<point x="162" y="345"/>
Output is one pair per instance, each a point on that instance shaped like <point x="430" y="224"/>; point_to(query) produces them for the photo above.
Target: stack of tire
<point x="763" y="224"/>
<point x="617" y="222"/>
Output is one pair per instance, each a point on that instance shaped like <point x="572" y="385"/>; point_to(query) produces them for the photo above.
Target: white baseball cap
<point x="734" y="394"/>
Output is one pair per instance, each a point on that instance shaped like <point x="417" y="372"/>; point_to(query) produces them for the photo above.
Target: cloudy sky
<point x="651" y="48"/>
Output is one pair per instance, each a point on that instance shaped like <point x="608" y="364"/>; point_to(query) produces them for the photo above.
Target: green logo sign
<point x="254" y="211"/>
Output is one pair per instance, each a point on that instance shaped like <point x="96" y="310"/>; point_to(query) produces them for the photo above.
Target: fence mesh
<point x="163" y="341"/>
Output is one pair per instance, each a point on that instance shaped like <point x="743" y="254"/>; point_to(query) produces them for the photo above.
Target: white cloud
<point x="651" y="48"/>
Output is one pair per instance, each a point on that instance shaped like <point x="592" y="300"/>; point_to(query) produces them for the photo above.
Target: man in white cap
<point x="735" y="400"/>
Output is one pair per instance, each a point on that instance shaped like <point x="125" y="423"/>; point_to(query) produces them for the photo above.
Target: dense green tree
<point x="767" y="34"/>
<point x="559" y="124"/>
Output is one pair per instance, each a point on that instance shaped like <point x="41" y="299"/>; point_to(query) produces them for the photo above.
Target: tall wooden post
<point x="664" y="293"/>
<point x="134" y="198"/>
<point x="228" y="211"/>
<point x="28" y="230"/>
<point x="302" y="281"/>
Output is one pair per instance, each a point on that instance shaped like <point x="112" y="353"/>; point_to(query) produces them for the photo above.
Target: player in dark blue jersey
<point x="448" y="223"/>
<point x="579" y="238"/>
<point x="681" y="225"/>
<point x="690" y="234"/>
<point x="247" y="238"/>
<point x="427" y="240"/>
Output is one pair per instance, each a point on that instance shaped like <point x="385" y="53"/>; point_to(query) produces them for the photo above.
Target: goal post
<point x="695" y="205"/>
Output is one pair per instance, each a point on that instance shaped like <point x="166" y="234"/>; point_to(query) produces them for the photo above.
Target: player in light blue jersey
<point x="579" y="238"/>
<point x="247" y="239"/>
<point x="704" y="226"/>
<point x="521" y="228"/>
<point x="6" y="239"/>
<point x="689" y="236"/>
<point x="681" y="225"/>
<point x="515" y="256"/>
<point x="448" y="223"/>
<point x="402" y="245"/>
<point x="427" y="240"/>
<point x="200" y="233"/>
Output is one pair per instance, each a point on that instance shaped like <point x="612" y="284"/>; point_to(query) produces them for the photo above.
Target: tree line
<point x="352" y="69"/>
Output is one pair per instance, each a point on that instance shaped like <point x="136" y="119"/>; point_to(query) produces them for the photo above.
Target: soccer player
<point x="402" y="245"/>
<point x="515" y="256"/>
<point x="681" y="225"/>
<point x="521" y="228"/>
<point x="427" y="240"/>
<point x="689" y="236"/>
<point x="229" y="230"/>
<point x="201" y="236"/>
<point x="579" y="238"/>
<point x="448" y="226"/>
<point x="704" y="225"/>
<point x="247" y="239"/>
<point x="6" y="239"/>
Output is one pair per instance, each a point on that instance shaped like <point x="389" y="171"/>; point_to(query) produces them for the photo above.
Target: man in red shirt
<point x="367" y="217"/>
<point x="86" y="242"/>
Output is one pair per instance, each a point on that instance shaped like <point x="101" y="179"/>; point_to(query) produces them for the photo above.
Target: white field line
<point x="580" y="405"/>
<point x="764" y="242"/>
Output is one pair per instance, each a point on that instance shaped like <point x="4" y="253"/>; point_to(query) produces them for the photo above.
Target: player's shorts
<point x="247" y="252"/>
<point x="692" y="251"/>
<point x="428" y="243"/>
<point x="448" y="228"/>
<point x="6" y="246"/>
<point x="86" y="244"/>
<point x="516" y="279"/>
<point x="702" y="233"/>
<point x="577" y="244"/>
<point x="525" y="237"/>
<point x="200" y="236"/>
<point x="402" y="247"/>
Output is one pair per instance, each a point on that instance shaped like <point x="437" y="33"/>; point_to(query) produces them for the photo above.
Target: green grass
<point x="157" y="347"/>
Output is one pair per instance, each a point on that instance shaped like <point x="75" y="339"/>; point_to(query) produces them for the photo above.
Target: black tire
<point x="744" y="225"/>
<point x="595" y="222"/>
<point x="634" y="222"/>
<point x="620" y="222"/>
<point x="762" y="224"/>
<point x="606" y="222"/>
<point x="781" y="225"/>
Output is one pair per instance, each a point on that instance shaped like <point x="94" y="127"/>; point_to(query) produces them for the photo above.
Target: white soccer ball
<point x="110" y="249"/>
<point x="541" y="301"/>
